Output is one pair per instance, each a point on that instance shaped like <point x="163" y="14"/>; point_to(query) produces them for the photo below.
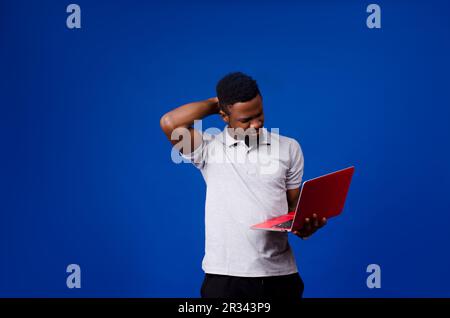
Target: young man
<point x="240" y="262"/>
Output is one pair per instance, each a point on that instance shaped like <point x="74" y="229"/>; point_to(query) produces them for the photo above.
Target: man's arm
<point x="292" y="198"/>
<point x="311" y="225"/>
<point x="184" y="116"/>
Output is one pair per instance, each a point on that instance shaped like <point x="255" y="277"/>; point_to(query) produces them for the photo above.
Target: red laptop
<point x="324" y="196"/>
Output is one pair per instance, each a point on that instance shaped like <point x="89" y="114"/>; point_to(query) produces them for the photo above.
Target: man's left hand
<point x="310" y="226"/>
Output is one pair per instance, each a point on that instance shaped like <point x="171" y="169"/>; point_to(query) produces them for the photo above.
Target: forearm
<point x="185" y="115"/>
<point x="292" y="198"/>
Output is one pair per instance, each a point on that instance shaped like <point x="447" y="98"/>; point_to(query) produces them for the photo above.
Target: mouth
<point x="253" y="132"/>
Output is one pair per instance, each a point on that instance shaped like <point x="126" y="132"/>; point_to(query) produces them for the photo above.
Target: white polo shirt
<point x="245" y="186"/>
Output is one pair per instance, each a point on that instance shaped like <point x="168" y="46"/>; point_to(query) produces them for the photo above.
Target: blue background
<point x="86" y="173"/>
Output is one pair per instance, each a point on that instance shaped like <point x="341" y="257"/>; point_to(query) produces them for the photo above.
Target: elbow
<point x="166" y="124"/>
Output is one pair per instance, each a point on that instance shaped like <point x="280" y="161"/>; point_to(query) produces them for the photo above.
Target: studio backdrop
<point x="88" y="184"/>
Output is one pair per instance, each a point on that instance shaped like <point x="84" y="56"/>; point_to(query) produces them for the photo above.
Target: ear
<point x="225" y="117"/>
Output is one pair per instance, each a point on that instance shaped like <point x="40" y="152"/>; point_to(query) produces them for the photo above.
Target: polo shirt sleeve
<point x="295" y="171"/>
<point x="200" y="155"/>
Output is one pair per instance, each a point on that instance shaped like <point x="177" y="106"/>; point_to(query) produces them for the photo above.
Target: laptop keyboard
<point x="284" y="225"/>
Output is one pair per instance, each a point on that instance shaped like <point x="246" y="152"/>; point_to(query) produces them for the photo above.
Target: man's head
<point x="240" y="102"/>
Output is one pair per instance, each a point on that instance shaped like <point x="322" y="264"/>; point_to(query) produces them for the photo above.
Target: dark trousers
<point x="288" y="287"/>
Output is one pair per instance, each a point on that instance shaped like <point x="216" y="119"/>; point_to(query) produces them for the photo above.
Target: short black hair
<point x="234" y="88"/>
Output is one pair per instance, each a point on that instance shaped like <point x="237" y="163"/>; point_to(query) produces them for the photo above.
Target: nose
<point x="256" y="124"/>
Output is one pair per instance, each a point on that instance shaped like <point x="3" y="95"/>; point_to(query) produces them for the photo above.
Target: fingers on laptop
<point x="307" y="225"/>
<point x="315" y="220"/>
<point x="318" y="223"/>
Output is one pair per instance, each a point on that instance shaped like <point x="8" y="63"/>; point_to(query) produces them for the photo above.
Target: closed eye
<point x="247" y="119"/>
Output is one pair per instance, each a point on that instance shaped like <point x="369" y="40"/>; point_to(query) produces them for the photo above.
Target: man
<point x="240" y="262"/>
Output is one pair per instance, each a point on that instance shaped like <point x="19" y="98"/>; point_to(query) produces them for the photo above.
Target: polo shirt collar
<point x="228" y="140"/>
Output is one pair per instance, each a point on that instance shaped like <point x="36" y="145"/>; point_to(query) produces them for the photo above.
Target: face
<point x="246" y="115"/>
